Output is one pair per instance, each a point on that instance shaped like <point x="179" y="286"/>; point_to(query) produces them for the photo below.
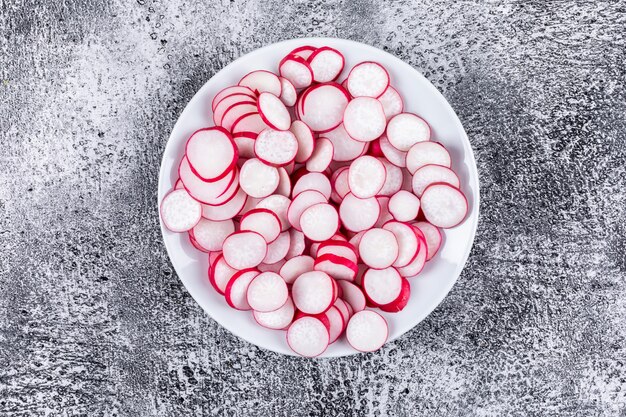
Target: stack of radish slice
<point x="317" y="201"/>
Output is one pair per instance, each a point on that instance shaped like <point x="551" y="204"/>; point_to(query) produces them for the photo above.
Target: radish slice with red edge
<point x="194" y="243"/>
<point x="366" y="176"/>
<point x="321" y="157"/>
<point x="300" y="203"/>
<point x="408" y="242"/>
<point x="228" y="91"/>
<point x="345" y="148"/>
<point x="401" y="301"/>
<point x="433" y="238"/>
<point x="295" y="267"/>
<point x="237" y="289"/>
<point x="416" y="266"/>
<point x="308" y="336"/>
<point x="229" y="103"/>
<point x="368" y="79"/>
<point x="337" y="267"/>
<point x="297" y="70"/>
<point x="236" y="112"/>
<point x="212" y="153"/>
<point x="258" y="179"/>
<point x="279" y="205"/>
<point x="427" y="153"/>
<point x="339" y="183"/>
<point x="393" y="155"/>
<point x="406" y="129"/>
<point x="288" y="94"/>
<point x="378" y="248"/>
<point x="297" y="244"/>
<point x="404" y="206"/>
<point x="326" y="64"/>
<point x="392" y="102"/>
<point x="336" y="323"/>
<point x="382" y="286"/>
<point x="277" y="250"/>
<point x="367" y="331"/>
<point x="261" y="81"/>
<point x="313" y="292"/>
<point x="313" y="181"/>
<point x="431" y="174"/>
<point x="305" y="138"/>
<point x="393" y="180"/>
<point x="358" y="214"/>
<point x="267" y="292"/>
<point x="339" y="248"/>
<point x="251" y="122"/>
<point x="384" y="215"/>
<point x="304" y="51"/>
<point x="284" y="183"/>
<point x="263" y="221"/>
<point x="364" y="119"/>
<point x="179" y="211"/>
<point x="244" y="250"/>
<point x="276" y="148"/>
<point x="323" y="106"/>
<point x="220" y="273"/>
<point x="273" y="111"/>
<point x="443" y="205"/>
<point x="343" y="308"/>
<point x="277" y="319"/>
<point x="210" y="235"/>
<point x="245" y="144"/>
<point x="319" y="222"/>
<point x="352" y="295"/>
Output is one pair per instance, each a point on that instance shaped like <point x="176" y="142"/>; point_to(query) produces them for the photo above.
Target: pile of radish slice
<point x="317" y="201"/>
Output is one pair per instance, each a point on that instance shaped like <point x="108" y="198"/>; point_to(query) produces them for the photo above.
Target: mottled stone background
<point x="94" y="321"/>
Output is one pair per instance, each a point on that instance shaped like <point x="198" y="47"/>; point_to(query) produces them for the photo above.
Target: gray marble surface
<point x="94" y="321"/>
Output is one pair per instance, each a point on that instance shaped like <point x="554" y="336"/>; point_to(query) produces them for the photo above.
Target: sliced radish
<point x="356" y="240"/>
<point x="313" y="181"/>
<point x="368" y="79"/>
<point x="277" y="250"/>
<point x="273" y="111"/>
<point x="367" y="331"/>
<point x="326" y="63"/>
<point x="228" y="91"/>
<point x="340" y="187"/>
<point x="344" y="309"/>
<point x="304" y="51"/>
<point x="337" y="267"/>
<point x="261" y="81"/>
<point x="275" y="267"/>
<point x="427" y="153"/>
<point x="345" y="147"/>
<point x="323" y="106"/>
<point x="276" y="148"/>
<point x="406" y="129"/>
<point x="237" y="289"/>
<point x="339" y="248"/>
<point x="366" y="176"/>
<point x="229" y="103"/>
<point x="443" y="205"/>
<point x="267" y="292"/>
<point x="295" y="267"/>
<point x="263" y="221"/>
<point x="258" y="179"/>
<point x="352" y="295"/>
<point x="220" y="274"/>
<point x="336" y="323"/>
<point x="378" y="248"/>
<point x="279" y="205"/>
<point x="384" y="215"/>
<point x="364" y="119"/>
<point x="408" y="242"/>
<point x="305" y="138"/>
<point x="277" y="319"/>
<point x="236" y="112"/>
<point x="392" y="102"/>
<point x="297" y="244"/>
<point x="210" y="235"/>
<point x="284" y="183"/>
<point x="401" y="301"/>
<point x="245" y="144"/>
<point x="393" y="180"/>
<point x="321" y="317"/>
<point x="319" y="222"/>
<point x="313" y="292"/>
<point x="211" y="193"/>
<point x="416" y="266"/>
<point x="251" y="122"/>
<point x="179" y="211"/>
<point x="288" y="94"/>
<point x="382" y="286"/>
<point x="358" y="214"/>
<point x="212" y="153"/>
<point x="308" y="336"/>
<point x="404" y="206"/>
<point x="393" y="155"/>
<point x="251" y="203"/>
<point x="297" y="70"/>
<point x="433" y="238"/>
<point x="300" y="203"/>
<point x="431" y="174"/>
<point x="194" y="243"/>
<point x="244" y="250"/>
<point x="321" y="157"/>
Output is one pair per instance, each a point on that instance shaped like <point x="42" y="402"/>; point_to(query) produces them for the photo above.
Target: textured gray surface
<point x="93" y="321"/>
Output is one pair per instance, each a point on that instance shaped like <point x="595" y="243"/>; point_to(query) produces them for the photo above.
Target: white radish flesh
<point x="267" y="292"/>
<point x="210" y="235"/>
<point x="321" y="157"/>
<point x="288" y="94"/>
<point x="366" y="176"/>
<point x="277" y="319"/>
<point x="297" y="244"/>
<point x="313" y="181"/>
<point x="345" y="148"/>
<point x="427" y="153"/>
<point x="433" y="238"/>
<point x="296" y="70"/>
<point x="404" y="206"/>
<point x="393" y="155"/>
<point x="228" y="91"/>
<point x="408" y="242"/>
<point x="313" y="292"/>
<point x="244" y="250"/>
<point x="368" y="79"/>
<point x="261" y="81"/>
<point x="308" y="336"/>
<point x="443" y="205"/>
<point x="326" y="64"/>
<point x="406" y="129"/>
<point x="336" y="323"/>
<point x="431" y="174"/>
<point x="353" y="295"/>
<point x="319" y="222"/>
<point x="367" y="331"/>
<point x="305" y="138"/>
<point x="359" y="214"/>
<point x="300" y="203"/>
<point x="276" y="148"/>
<point x="295" y="267"/>
<point x="340" y="185"/>
<point x="392" y="102"/>
<point x="258" y="179"/>
<point x="393" y="180"/>
<point x="212" y="153"/>
<point x="277" y="250"/>
<point x="245" y="144"/>
<point x="262" y="221"/>
<point x="364" y="119"/>
<point x="378" y="248"/>
<point x="220" y="274"/>
<point x="237" y="289"/>
<point x="179" y="211"/>
<point x="251" y="122"/>
<point x="273" y="111"/>
<point x="382" y="286"/>
<point x="279" y="205"/>
<point x="337" y="267"/>
<point x="323" y="106"/>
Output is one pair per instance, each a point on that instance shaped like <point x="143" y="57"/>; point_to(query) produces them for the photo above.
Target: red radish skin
<point x="399" y="303"/>
<point x="245" y="144"/>
<point x="319" y="222"/>
<point x="368" y="79"/>
<point x="431" y="174"/>
<point x="406" y="129"/>
<point x="276" y="148"/>
<point x="404" y="206"/>
<point x="378" y="248"/>
<point x="364" y="119"/>
<point x="359" y="214"/>
<point x="212" y="153"/>
<point x="304" y="51"/>
<point x="228" y="91"/>
<point x="179" y="211"/>
<point x="297" y="70"/>
<point x="262" y="221"/>
<point x="321" y="157"/>
<point x="279" y="205"/>
<point x="277" y="319"/>
<point x="353" y="295"/>
<point x="261" y="81"/>
<point x="433" y="238"/>
<point x="267" y="292"/>
<point x="308" y="336"/>
<point x="427" y="153"/>
<point x="323" y="106"/>
<point x="443" y="205"/>
<point x="210" y="235"/>
<point x="313" y="292"/>
<point x="178" y="185"/>
<point x="374" y="149"/>
<point x="337" y="267"/>
<point x="220" y="274"/>
<point x="305" y="138"/>
<point x="258" y="179"/>
<point x="244" y="250"/>
<point x="237" y="288"/>
<point x="367" y="331"/>
<point x="326" y="64"/>
<point x="273" y="111"/>
<point x="339" y="248"/>
<point x="295" y="267"/>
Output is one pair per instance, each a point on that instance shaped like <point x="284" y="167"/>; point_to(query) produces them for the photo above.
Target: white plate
<point x="420" y="97"/>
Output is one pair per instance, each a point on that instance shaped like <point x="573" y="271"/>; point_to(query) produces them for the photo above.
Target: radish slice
<point x="212" y="153"/>
<point x="404" y="206"/>
<point x="295" y="267"/>
<point x="251" y="122"/>
<point x="275" y="267"/>
<point x="297" y="244"/>
<point x="179" y="211"/>
<point x="337" y="267"/>
<point x="338" y="248"/>
<point x="366" y="176"/>
<point x="323" y="106"/>
<point x="273" y="112"/>
<point x="306" y="141"/>
<point x="319" y="222"/>
<point x="308" y="336"/>
<point x="229" y="91"/>
<point x="194" y="243"/>
<point x="261" y="81"/>
<point x="212" y="193"/>
<point x="343" y="308"/>
<point x="257" y="179"/>
<point x="220" y="274"/>
<point x="243" y="250"/>
<point x="313" y="181"/>
<point x="431" y="174"/>
<point x="392" y="102"/>
<point x="297" y="70"/>
<point x="237" y="289"/>
<point x="277" y="319"/>
<point x="393" y="180"/>
<point x="210" y="235"/>
<point x="245" y="144"/>
<point x="326" y="63"/>
<point x="427" y="153"/>
<point x="358" y="214"/>
<point x="251" y="203"/>
<point x="367" y="331"/>
<point x="229" y="103"/>
<point x="416" y="266"/>
<point x="304" y="51"/>
<point x="279" y="205"/>
<point x="393" y="155"/>
<point x="339" y="185"/>
<point x="368" y="79"/>
<point x="276" y="148"/>
<point x="313" y="292"/>
<point x="284" y="183"/>
<point x="336" y="323"/>
<point x="267" y="292"/>
<point x="263" y="221"/>
<point x="382" y="286"/>
<point x="288" y="94"/>
<point x="433" y="238"/>
<point x="443" y="206"/>
<point x="345" y="148"/>
<point x="300" y="203"/>
<point x="378" y="248"/>
<point x="321" y="157"/>
<point x="235" y="112"/>
<point x="406" y="129"/>
<point x="384" y="215"/>
<point x="277" y="250"/>
<point x="364" y="119"/>
<point x="401" y="301"/>
<point x="408" y="242"/>
<point x="352" y="295"/>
